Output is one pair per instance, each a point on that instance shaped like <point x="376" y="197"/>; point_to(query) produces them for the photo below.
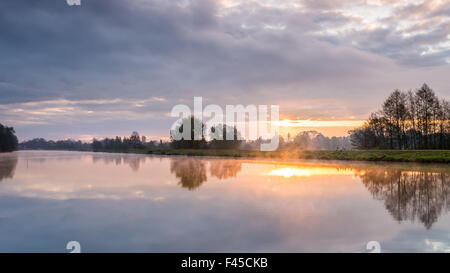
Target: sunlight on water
<point x="289" y="172"/>
<point x="310" y="171"/>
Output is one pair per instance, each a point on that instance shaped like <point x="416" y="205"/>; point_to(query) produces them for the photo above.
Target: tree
<point x="135" y="140"/>
<point x="395" y="111"/>
<point x="196" y="139"/>
<point x="8" y="139"/>
<point x="412" y="117"/>
<point x="222" y="142"/>
<point x="408" y="120"/>
<point x="97" y="145"/>
<point x="444" y="125"/>
<point x="425" y="102"/>
<point x="302" y="140"/>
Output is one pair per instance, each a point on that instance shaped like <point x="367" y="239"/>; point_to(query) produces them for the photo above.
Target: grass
<point x="424" y="156"/>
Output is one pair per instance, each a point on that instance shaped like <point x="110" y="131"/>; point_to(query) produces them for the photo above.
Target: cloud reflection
<point x="54" y="195"/>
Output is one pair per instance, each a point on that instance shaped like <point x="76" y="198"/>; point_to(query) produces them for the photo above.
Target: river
<point x="147" y="203"/>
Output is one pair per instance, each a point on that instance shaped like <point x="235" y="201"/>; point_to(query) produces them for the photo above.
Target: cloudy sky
<point x="109" y="67"/>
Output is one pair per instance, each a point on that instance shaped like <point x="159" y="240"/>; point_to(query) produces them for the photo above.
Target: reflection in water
<point x="269" y="205"/>
<point x="289" y="172"/>
<point x="190" y="171"/>
<point x="7" y="165"/>
<point x="224" y="169"/>
<point x="118" y="159"/>
<point x="408" y="195"/>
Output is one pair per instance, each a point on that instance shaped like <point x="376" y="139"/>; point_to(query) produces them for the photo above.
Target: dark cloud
<point x="115" y="47"/>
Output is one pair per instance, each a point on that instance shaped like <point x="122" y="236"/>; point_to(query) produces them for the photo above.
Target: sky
<point x="110" y="67"/>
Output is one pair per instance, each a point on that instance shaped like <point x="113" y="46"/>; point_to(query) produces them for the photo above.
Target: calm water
<point x="138" y="203"/>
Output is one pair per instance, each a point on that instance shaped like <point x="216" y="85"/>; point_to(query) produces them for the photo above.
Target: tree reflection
<point x="190" y="171"/>
<point x="7" y="166"/>
<point x="131" y="160"/>
<point x="224" y="169"/>
<point x="410" y="195"/>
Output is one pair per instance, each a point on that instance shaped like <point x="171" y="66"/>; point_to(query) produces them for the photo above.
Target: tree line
<point x="307" y="140"/>
<point x="407" y="121"/>
<point x="198" y="139"/>
<point x="134" y="142"/>
<point x="42" y="144"/>
<point x="8" y="139"/>
<point x="119" y="144"/>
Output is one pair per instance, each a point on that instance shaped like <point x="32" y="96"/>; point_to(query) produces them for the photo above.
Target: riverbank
<point x="423" y="156"/>
<point x="419" y="156"/>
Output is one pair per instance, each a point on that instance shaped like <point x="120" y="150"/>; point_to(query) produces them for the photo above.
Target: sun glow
<point x="304" y="172"/>
<point x="289" y="172"/>
<point x="318" y="123"/>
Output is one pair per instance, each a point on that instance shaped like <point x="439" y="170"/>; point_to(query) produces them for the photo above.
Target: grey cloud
<point x="329" y="4"/>
<point x="117" y="49"/>
<point x="424" y="9"/>
<point x="251" y="53"/>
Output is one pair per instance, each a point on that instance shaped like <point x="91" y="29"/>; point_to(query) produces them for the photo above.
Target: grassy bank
<point x="426" y="156"/>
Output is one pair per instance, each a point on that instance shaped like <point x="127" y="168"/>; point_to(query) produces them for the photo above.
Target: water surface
<point x="139" y="203"/>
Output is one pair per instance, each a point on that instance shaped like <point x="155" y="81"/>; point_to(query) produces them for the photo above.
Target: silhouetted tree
<point x="97" y="145"/>
<point x="408" y="120"/>
<point x="425" y="102"/>
<point x="196" y="132"/>
<point x="8" y="139"/>
<point x="222" y="142"/>
<point x="135" y="140"/>
<point x="395" y="112"/>
<point x="42" y="144"/>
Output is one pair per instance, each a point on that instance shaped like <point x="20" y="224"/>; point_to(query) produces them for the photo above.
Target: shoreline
<point x="412" y="156"/>
<point x="417" y="156"/>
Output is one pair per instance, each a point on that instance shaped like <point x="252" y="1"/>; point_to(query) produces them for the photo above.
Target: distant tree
<point x="42" y="144"/>
<point x="313" y="140"/>
<point x="302" y="140"/>
<point x="135" y="140"/>
<point x="8" y="139"/>
<point x="222" y="142"/>
<point x="197" y="138"/>
<point x="97" y="145"/>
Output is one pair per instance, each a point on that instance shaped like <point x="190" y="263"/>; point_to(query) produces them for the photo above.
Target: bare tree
<point x="408" y="120"/>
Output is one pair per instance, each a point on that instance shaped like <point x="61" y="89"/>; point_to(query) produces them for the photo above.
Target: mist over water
<point x="140" y="203"/>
